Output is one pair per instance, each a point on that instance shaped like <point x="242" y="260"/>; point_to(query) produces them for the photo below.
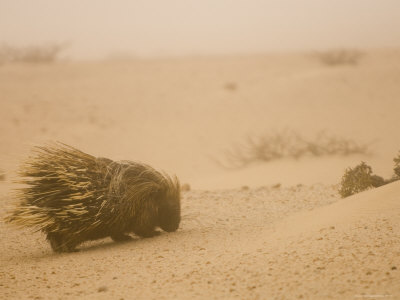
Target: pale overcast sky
<point x="97" y="28"/>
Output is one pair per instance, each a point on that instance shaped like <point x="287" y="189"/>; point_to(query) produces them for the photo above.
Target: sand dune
<point x="274" y="230"/>
<point x="378" y="202"/>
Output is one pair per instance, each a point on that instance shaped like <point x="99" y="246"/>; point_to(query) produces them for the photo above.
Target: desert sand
<point x="271" y="230"/>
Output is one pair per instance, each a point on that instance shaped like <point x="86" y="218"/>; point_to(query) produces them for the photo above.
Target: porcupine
<point x="74" y="197"/>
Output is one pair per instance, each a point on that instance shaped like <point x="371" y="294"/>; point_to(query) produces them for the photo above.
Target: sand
<point x="242" y="236"/>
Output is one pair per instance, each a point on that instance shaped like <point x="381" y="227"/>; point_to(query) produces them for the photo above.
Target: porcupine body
<point x="74" y="197"/>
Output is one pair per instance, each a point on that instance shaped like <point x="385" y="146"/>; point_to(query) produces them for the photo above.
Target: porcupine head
<point x="156" y="198"/>
<point x="169" y="212"/>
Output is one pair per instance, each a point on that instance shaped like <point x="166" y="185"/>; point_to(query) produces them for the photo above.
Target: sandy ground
<point x="242" y="236"/>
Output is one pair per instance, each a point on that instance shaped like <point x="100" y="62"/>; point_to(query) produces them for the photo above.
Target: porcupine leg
<point x="55" y="241"/>
<point x="59" y="243"/>
<point x="120" y="237"/>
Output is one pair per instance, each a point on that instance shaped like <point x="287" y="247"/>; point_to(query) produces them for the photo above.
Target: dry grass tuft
<point x="289" y="144"/>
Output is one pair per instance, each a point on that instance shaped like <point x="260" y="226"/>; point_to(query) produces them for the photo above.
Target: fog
<point x="101" y="28"/>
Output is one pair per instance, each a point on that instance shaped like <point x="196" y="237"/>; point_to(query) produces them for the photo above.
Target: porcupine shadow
<point x="74" y="197"/>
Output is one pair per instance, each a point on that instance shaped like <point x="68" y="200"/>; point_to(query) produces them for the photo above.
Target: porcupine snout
<point x="169" y="217"/>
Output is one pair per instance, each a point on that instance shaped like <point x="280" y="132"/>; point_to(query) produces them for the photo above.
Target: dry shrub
<point x="339" y="57"/>
<point x="289" y="144"/>
<point x="31" y="54"/>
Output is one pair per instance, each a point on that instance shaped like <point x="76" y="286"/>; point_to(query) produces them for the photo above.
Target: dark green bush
<point x="359" y="179"/>
<point x="397" y="165"/>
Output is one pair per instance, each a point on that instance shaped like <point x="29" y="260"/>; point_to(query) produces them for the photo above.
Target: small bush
<point x="30" y="54"/>
<point x="359" y="179"/>
<point x="339" y="57"/>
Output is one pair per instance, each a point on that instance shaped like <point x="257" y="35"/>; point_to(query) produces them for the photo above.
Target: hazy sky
<point x="97" y="28"/>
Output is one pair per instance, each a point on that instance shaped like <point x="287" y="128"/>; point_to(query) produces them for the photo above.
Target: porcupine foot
<point x="146" y="233"/>
<point x="120" y="237"/>
<point x="60" y="244"/>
